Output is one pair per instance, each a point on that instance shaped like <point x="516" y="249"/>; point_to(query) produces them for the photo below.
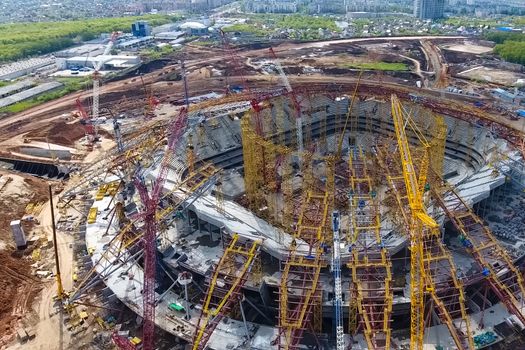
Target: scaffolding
<point x="224" y="287"/>
<point x="494" y="262"/>
<point x="299" y="290"/>
<point x="445" y="289"/>
<point x="369" y="262"/>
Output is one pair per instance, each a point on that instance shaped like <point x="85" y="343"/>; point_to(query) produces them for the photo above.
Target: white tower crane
<point x="96" y="79"/>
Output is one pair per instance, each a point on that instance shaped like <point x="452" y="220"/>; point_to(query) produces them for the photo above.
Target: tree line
<point x="510" y="45"/>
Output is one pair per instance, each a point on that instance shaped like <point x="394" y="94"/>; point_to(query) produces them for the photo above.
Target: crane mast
<point x="419" y="221"/>
<point x="338" y="291"/>
<point x="96" y="79"/>
<point x="297" y="107"/>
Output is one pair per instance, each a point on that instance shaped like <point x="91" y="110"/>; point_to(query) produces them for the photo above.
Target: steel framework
<point x="441" y="281"/>
<point x="224" y="287"/>
<point x="369" y="262"/>
<point x="495" y="263"/>
<point x="298" y="292"/>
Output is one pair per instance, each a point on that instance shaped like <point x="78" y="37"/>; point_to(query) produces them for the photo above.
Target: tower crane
<point x="150" y="200"/>
<point x="96" y="79"/>
<point x="419" y="222"/>
<point x="296" y="105"/>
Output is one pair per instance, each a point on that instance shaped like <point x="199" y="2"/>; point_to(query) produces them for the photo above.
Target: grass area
<point x="4" y="83"/>
<point x="384" y="66"/>
<point x="302" y="22"/>
<point x="157" y="53"/>
<point x="70" y="85"/>
<point x="254" y="29"/>
<point x="19" y="40"/>
<point x="205" y="43"/>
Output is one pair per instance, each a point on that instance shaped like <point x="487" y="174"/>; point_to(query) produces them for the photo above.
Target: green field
<point x="384" y="66"/>
<point x="19" y="40"/>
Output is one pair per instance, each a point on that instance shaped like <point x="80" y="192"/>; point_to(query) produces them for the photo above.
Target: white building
<point x="195" y="28"/>
<point x="108" y="62"/>
<point x="83" y="50"/>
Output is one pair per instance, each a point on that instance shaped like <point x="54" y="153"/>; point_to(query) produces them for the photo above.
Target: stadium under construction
<point x="327" y="216"/>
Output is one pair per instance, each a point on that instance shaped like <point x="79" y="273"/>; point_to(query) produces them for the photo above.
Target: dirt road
<point x="50" y="330"/>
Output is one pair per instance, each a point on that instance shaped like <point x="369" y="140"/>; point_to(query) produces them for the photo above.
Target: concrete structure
<point x="16" y="87"/>
<point x="194" y="240"/>
<point x="429" y="9"/>
<point x="108" y="62"/>
<point x="18" y="234"/>
<point x="141" y="29"/>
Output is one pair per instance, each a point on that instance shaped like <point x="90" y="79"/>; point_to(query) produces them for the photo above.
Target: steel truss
<point x="299" y="290"/>
<point x="441" y="282"/>
<point x="224" y="288"/>
<point x="495" y="263"/>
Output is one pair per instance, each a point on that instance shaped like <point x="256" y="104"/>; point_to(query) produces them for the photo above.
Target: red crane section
<point x="150" y="201"/>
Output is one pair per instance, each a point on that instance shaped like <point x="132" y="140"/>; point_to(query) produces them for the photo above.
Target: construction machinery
<point x="372" y="294"/>
<point x="338" y="289"/>
<point x="419" y="223"/>
<point x="439" y="275"/>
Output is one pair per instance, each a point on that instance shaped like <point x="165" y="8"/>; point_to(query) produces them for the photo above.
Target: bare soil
<point x="59" y="132"/>
<point x="18" y="287"/>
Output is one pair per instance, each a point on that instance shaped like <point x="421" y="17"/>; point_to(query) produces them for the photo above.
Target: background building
<point x="141" y="28"/>
<point x="429" y="9"/>
<point x="195" y="28"/>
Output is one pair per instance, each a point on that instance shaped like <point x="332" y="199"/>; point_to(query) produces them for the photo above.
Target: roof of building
<point x="101" y="58"/>
<point x="193" y="25"/>
<point x="24" y="95"/>
<point x="16" y="86"/>
<point x="135" y="41"/>
<point x="80" y="50"/>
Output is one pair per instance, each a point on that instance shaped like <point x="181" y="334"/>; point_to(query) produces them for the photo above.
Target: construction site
<point x="269" y="198"/>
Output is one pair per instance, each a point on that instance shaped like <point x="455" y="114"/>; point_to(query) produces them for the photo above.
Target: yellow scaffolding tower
<point x="495" y="263"/>
<point x="231" y="271"/>
<point x="298" y="292"/>
<point x="370" y="262"/>
<point x="441" y="281"/>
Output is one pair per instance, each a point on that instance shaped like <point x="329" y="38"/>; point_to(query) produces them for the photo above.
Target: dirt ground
<point x="18" y="287"/>
<point x="470" y="48"/>
<point x="492" y="75"/>
<point x="59" y="132"/>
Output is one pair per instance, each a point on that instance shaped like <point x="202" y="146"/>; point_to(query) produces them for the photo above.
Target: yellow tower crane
<point x="419" y="221"/>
